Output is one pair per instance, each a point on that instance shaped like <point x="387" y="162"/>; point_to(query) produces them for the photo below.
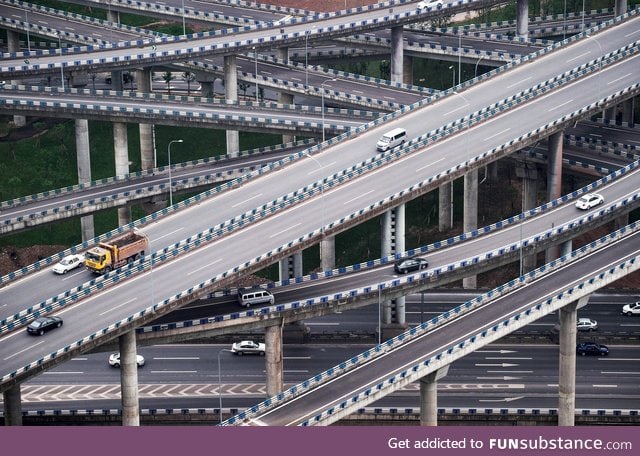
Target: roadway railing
<point x="453" y="352"/>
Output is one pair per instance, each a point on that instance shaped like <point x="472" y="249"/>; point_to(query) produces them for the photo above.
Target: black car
<point x="410" y="264"/>
<point x="591" y="348"/>
<point x="43" y="324"/>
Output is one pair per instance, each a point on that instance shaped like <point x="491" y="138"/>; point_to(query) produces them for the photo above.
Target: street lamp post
<point x="256" y="54"/>
<point x="184" y="28"/>
<point x="169" y="154"/>
<point x="459" y="56"/>
<point x="475" y="70"/>
<point x="61" y="63"/>
<point x="306" y="57"/>
<point x="26" y="19"/>
<point x="220" y="381"/>
<point x="321" y="193"/>
<point x="453" y="78"/>
<point x="322" y="103"/>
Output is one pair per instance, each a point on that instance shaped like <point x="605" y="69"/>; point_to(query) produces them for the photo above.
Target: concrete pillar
<point x="287" y="99"/>
<point x="116" y="81"/>
<point x="566" y="247"/>
<point x="231" y="95"/>
<point x="567" y="370"/>
<point x="12" y="406"/>
<point x="621" y="7"/>
<point x="621" y="221"/>
<point x="628" y="109"/>
<point x="113" y="16"/>
<point x="83" y="159"/>
<point x="393" y="241"/>
<point x="147" y="147"/>
<point x="529" y="174"/>
<point x="121" y="150"/>
<point x="328" y="253"/>
<point x="429" y="397"/>
<point x="129" y="379"/>
<point x="470" y="215"/>
<point x="13" y="44"/>
<point x="407" y="69"/>
<point x="554" y="181"/>
<point x="291" y="266"/>
<point x="522" y="19"/>
<point x="609" y="114"/>
<point x="273" y="361"/>
<point x="445" y="207"/>
<point x="399" y="229"/>
<point x="492" y="169"/>
<point x="397" y="54"/>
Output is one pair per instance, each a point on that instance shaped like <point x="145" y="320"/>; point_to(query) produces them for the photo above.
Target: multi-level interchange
<point x="255" y="213"/>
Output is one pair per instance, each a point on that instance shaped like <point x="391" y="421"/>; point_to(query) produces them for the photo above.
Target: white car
<point x="588" y="201"/>
<point x="248" y="347"/>
<point x="631" y="309"/>
<point x="432" y="4"/>
<point x="587" y="324"/>
<point x="68" y="263"/>
<point x="114" y="360"/>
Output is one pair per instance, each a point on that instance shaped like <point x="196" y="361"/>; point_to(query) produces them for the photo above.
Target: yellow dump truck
<point x="108" y="256"/>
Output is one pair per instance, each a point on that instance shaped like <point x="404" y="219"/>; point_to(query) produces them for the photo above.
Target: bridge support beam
<point x="273" y="359"/>
<point x="429" y="397"/>
<point x="328" y="253"/>
<point x="529" y="175"/>
<point x="407" y="69"/>
<point x="445" y="207"/>
<point x="554" y="181"/>
<point x="113" y="16"/>
<point x="12" y="406"/>
<point x="121" y="149"/>
<point x="567" y="369"/>
<point x="129" y="379"/>
<point x="522" y="19"/>
<point x="628" y="108"/>
<point x="470" y="220"/>
<point x="397" y="54"/>
<point x="492" y="171"/>
<point x="231" y="96"/>
<point x="291" y="266"/>
<point x="13" y="44"/>
<point x="287" y="99"/>
<point x="621" y="7"/>
<point x="83" y="161"/>
<point x="392" y="242"/>
<point x="147" y="147"/>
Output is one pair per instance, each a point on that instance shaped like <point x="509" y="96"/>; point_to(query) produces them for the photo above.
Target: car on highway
<point x="592" y="348"/>
<point x="410" y="264"/>
<point x="41" y="325"/>
<point x="631" y="309"/>
<point x="248" y="347"/>
<point x="114" y="360"/>
<point x="589" y="200"/>
<point x="587" y="324"/>
<point x="68" y="263"/>
<point x="431" y="4"/>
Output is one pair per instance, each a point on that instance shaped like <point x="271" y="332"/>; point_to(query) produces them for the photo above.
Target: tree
<point x="189" y="77"/>
<point x="168" y="77"/>
<point x="244" y="86"/>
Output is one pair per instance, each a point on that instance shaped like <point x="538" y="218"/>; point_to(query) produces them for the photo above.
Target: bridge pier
<point x="528" y="172"/>
<point x="621" y="7"/>
<point x="628" y="108"/>
<point x="147" y="147"/>
<point x="522" y="19"/>
<point x="392" y="242"/>
<point x="397" y="54"/>
<point x="328" y="253"/>
<point x="83" y="162"/>
<point x="113" y="16"/>
<point x="291" y="266"/>
<point x="129" y="379"/>
<point x="273" y="359"/>
<point x="231" y="96"/>
<point x="429" y="397"/>
<point x="470" y="216"/>
<point x="121" y="149"/>
<point x="445" y="207"/>
<point x="554" y="181"/>
<point x="13" y="44"/>
<point x="13" y="406"/>
<point x="492" y="171"/>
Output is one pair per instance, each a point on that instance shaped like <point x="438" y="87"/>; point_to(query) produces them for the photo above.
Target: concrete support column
<point x="13" y="44"/>
<point x="231" y="95"/>
<point x="554" y="181"/>
<point x="529" y="174"/>
<point x="566" y="247"/>
<point x="113" y="16"/>
<point x="621" y="221"/>
<point x="328" y="253"/>
<point x="429" y="397"/>
<point x="273" y="361"/>
<point x="609" y="114"/>
<point x="287" y="99"/>
<point x="291" y="266"/>
<point x="12" y="406"/>
<point x="397" y="54"/>
<point x="621" y="7"/>
<point x="83" y="160"/>
<point x="206" y="89"/>
<point x="116" y="81"/>
<point x="147" y="147"/>
<point x="567" y="370"/>
<point x="522" y="19"/>
<point x="121" y="150"/>
<point x="129" y="379"/>
<point x="393" y="241"/>
<point x="407" y="69"/>
<point x="628" y="108"/>
<point x="492" y="169"/>
<point x="470" y="216"/>
<point x="445" y="207"/>
<point x="400" y="302"/>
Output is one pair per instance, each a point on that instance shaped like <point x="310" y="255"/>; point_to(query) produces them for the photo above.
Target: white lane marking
<point x="579" y="56"/>
<point x="62" y="373"/>
<point x="322" y="324"/>
<point x="21" y="351"/>
<point x="247" y="200"/>
<point x="430" y="164"/>
<point x="357" y="197"/>
<point x="168" y="234"/>
<point x="497" y="134"/>
<point x="518" y="82"/>
<point x="285" y="230"/>
<point x="71" y="276"/>
<point x="560" y="105"/>
<point x="205" y="266"/>
<point x="454" y="110"/>
<point x="619" y="373"/>
<point x="118" y="306"/>
<point x="604" y="386"/>
<point x="317" y="170"/>
<point x="296" y="357"/>
<point x="172" y="372"/>
<point x="619" y="79"/>
<point x="177" y="357"/>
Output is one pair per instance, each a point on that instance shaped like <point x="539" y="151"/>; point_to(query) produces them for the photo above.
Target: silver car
<point x="587" y="324"/>
<point x="248" y="347"/>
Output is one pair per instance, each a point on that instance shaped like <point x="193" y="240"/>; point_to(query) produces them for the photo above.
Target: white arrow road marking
<point x="506" y="399"/>
<point x="505" y="378"/>
<point x="503" y="357"/>
<point x="496" y="351"/>
<point x="509" y="372"/>
<point x="496" y="365"/>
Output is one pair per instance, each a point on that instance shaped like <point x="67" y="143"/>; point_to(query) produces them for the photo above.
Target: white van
<point x="250" y="296"/>
<point x="392" y="139"/>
